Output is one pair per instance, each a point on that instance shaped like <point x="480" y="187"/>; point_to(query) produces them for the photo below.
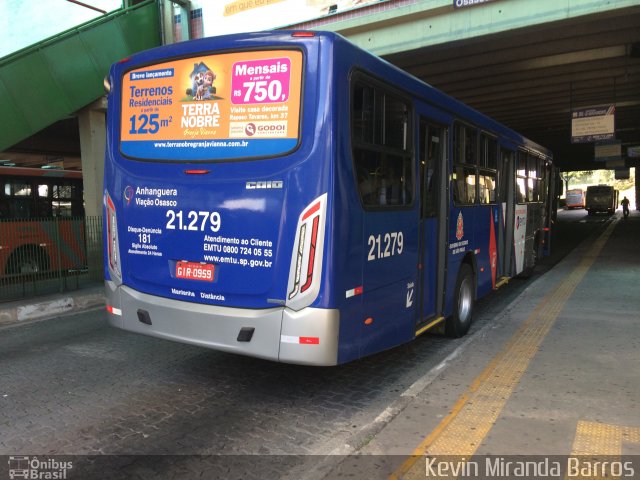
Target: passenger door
<point x="434" y="208"/>
<point x="507" y="199"/>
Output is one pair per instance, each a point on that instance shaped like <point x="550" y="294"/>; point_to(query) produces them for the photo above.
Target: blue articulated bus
<point x="289" y="196"/>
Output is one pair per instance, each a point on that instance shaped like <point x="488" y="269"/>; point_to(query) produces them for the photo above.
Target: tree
<point x="568" y="176"/>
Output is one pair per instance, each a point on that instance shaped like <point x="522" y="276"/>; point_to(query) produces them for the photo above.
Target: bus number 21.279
<point x="195" y="221"/>
<point x="383" y="246"/>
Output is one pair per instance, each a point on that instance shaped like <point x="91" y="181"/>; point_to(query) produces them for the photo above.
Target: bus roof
<point x="422" y="89"/>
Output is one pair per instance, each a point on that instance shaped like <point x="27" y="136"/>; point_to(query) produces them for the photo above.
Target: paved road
<point x="74" y="386"/>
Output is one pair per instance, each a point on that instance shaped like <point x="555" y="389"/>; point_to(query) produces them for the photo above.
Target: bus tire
<point x="459" y="322"/>
<point x="27" y="261"/>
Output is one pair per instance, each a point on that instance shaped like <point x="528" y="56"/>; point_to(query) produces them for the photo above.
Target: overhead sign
<point x="633" y="152"/>
<point x="622" y="174"/>
<point x="608" y="151"/>
<point x="593" y="124"/>
<point x="468" y="3"/>
<point x="613" y="164"/>
<point x="236" y="16"/>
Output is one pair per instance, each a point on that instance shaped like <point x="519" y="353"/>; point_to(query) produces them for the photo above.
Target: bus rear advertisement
<point x="258" y="204"/>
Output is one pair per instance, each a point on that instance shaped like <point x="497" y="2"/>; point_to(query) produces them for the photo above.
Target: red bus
<point x="41" y="220"/>
<point x="575" y="198"/>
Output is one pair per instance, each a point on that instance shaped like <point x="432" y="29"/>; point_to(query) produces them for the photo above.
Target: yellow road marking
<point x="598" y="442"/>
<point x="593" y="438"/>
<point x="462" y="431"/>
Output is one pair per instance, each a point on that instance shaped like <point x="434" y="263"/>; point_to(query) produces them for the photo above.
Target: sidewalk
<point x="39" y="308"/>
<point x="554" y="378"/>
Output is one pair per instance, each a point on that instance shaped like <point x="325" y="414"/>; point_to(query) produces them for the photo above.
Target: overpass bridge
<point x="55" y="78"/>
<point x="52" y="93"/>
<point x="526" y="63"/>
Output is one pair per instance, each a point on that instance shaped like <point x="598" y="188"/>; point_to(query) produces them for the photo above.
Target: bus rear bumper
<point x="306" y="337"/>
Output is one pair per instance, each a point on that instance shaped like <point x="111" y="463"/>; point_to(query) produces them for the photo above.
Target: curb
<point x="27" y="311"/>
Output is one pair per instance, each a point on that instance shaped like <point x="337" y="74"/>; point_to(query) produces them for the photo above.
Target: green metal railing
<point x="56" y="77"/>
<point x="46" y="256"/>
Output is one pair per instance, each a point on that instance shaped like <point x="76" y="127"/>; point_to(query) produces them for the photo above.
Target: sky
<point x="25" y="22"/>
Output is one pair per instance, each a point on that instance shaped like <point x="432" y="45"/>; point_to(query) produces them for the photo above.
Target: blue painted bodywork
<point x="321" y="163"/>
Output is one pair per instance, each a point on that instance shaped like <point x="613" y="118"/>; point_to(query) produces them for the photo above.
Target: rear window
<point x="214" y="107"/>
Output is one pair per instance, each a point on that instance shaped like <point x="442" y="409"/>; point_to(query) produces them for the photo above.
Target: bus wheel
<point x="458" y="324"/>
<point x="26" y="261"/>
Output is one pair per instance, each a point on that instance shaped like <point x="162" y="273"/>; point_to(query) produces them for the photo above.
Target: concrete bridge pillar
<point x="92" y="120"/>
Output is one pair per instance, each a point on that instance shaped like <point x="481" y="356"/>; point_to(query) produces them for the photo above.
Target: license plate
<point x="194" y="271"/>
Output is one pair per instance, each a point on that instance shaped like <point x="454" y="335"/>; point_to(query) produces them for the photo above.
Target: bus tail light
<point x="306" y="260"/>
<point x="113" y="248"/>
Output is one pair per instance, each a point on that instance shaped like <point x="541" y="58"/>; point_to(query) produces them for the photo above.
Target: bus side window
<point x="381" y="179"/>
<point x="521" y="178"/>
<point x="465" y="144"/>
<point x="487" y="174"/>
<point x="20" y="208"/>
<point x="364" y="119"/>
<point x="43" y="208"/>
<point x="20" y="199"/>
<point x="464" y="185"/>
<point x="368" y="175"/>
<point x="470" y="181"/>
<point x="487" y="186"/>
<point x="380" y="150"/>
<point x="521" y="190"/>
<point x="430" y="159"/>
<point x="504" y="180"/>
<point x="4" y="202"/>
<point x="464" y="170"/>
